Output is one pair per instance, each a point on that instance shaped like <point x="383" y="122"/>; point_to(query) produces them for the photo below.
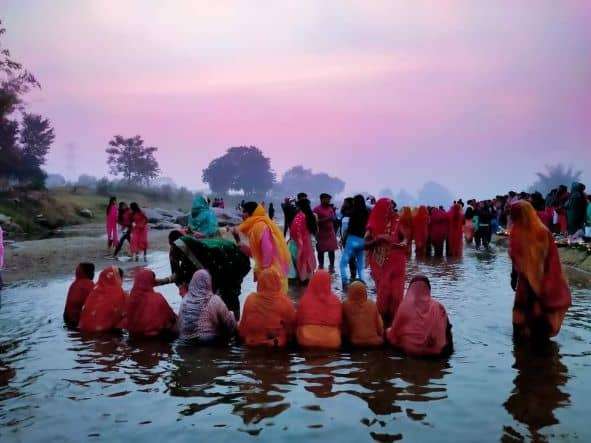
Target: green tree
<point x="242" y="168"/>
<point x="129" y="158"/>
<point x="300" y="179"/>
<point x="36" y="137"/>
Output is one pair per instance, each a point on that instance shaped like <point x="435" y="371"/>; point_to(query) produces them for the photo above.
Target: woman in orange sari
<point x="78" y="293"/>
<point x="387" y="257"/>
<point x="362" y="323"/>
<point x="320" y="315"/>
<point x="406" y="228"/>
<point x="104" y="309"/>
<point x="148" y="312"/>
<point x="268" y="318"/>
<point x="266" y="243"/>
<point x="420" y="225"/>
<point x="421" y="327"/>
<point x="542" y="295"/>
<point x="455" y="235"/>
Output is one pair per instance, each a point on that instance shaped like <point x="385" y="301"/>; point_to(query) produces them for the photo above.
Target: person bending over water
<point x="203" y="316"/>
<point x="421" y="327"/>
<point x="320" y="315"/>
<point x="78" y="293"/>
<point x="269" y="317"/>
<point x="202" y="220"/>
<point x="105" y="306"/>
<point x="362" y="323"/>
<point x="542" y="295"/>
<point x="148" y="314"/>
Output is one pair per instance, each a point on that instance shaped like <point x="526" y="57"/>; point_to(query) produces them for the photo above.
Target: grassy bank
<point x="37" y="212"/>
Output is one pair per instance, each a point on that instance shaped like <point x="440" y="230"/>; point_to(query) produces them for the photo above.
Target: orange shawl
<point x="362" y="322"/>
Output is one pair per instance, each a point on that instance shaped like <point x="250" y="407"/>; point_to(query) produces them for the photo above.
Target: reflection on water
<point x="58" y="385"/>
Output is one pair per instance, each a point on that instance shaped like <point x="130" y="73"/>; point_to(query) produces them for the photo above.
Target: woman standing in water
<point x="139" y="232"/>
<point x="420" y="223"/>
<point x="406" y="227"/>
<point x="355" y="243"/>
<point x="542" y="295"/>
<point x="387" y="257"/>
<point x="455" y="235"/>
<point x="111" y="222"/>
<point x="303" y="227"/>
<point x="327" y="236"/>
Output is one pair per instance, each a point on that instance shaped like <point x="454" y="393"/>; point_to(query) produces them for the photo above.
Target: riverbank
<point x="53" y="257"/>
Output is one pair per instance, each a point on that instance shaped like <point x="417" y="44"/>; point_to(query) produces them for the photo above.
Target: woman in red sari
<point x="387" y="257"/>
<point x="78" y="293"/>
<point x="406" y="228"/>
<point x="148" y="312"/>
<point x="320" y="315"/>
<point x="420" y="224"/>
<point x="455" y="235"/>
<point x="139" y="232"/>
<point x="438" y="227"/>
<point x="104" y="309"/>
<point x="421" y="327"/>
<point x="303" y="226"/>
<point x="542" y="295"/>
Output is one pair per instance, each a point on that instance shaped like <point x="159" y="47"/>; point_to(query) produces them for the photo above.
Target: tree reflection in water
<point x="537" y="394"/>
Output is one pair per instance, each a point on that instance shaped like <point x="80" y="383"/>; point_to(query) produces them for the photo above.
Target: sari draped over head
<point x="148" y="312"/>
<point x="387" y="263"/>
<point x="255" y="228"/>
<point x="455" y="236"/>
<point x="105" y="306"/>
<point x="406" y="227"/>
<point x="320" y="315"/>
<point x="305" y="258"/>
<point x="421" y="324"/>
<point x="438" y="227"/>
<point x="362" y="323"/>
<point x="269" y="317"/>
<point x="542" y="295"/>
<point x="77" y="295"/>
<point x="194" y="304"/>
<point x="202" y="218"/>
<point x="420" y="223"/>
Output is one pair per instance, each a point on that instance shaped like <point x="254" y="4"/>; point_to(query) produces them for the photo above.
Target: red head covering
<point x="77" y="295"/>
<point x="439" y="226"/>
<point x="148" y="312"/>
<point x="420" y="224"/>
<point x="420" y="325"/>
<point x="319" y="306"/>
<point x="380" y="216"/>
<point x="455" y="238"/>
<point x="104" y="309"/>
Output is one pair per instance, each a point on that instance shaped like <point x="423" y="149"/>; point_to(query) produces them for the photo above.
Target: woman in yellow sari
<point x="266" y="243"/>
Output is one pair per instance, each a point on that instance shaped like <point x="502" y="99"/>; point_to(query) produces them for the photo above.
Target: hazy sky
<point x="476" y="95"/>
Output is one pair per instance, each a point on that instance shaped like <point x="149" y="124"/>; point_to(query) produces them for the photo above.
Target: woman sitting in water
<point x="203" y="316"/>
<point x="104" y="309"/>
<point x="320" y="315"/>
<point x="362" y="323"/>
<point x="202" y="220"/>
<point x="542" y="295"/>
<point x="421" y="327"/>
<point x="78" y="293"/>
<point x="268" y="318"/>
<point x="148" y="312"/>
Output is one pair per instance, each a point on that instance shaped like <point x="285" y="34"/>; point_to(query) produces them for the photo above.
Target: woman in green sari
<point x="202" y="220"/>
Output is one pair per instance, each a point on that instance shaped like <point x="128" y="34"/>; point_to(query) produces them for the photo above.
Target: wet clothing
<point x="269" y="317"/>
<point x="139" y="232"/>
<point x="438" y="227"/>
<point x="105" y="306"/>
<point x="483" y="234"/>
<point x="362" y="323"/>
<point x="223" y="259"/>
<point x="203" y="316"/>
<point x="542" y="295"/>
<point x="421" y="327"/>
<point x="320" y="315"/>
<point x="305" y="260"/>
<point x="420" y="224"/>
<point x="77" y="295"/>
<point x="202" y="218"/>
<point x="327" y="236"/>
<point x="455" y="237"/>
<point x="148" y="314"/>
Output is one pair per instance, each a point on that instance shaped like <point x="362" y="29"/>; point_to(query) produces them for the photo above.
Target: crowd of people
<point x="208" y="268"/>
<point x="126" y="224"/>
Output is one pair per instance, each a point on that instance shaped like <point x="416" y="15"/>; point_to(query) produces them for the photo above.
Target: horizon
<point x="476" y="96"/>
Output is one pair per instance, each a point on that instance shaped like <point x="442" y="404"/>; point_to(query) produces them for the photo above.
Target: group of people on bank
<point x="126" y="223"/>
<point x="209" y="270"/>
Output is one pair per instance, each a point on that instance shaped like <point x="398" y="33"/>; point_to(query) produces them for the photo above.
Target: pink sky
<point x="477" y="95"/>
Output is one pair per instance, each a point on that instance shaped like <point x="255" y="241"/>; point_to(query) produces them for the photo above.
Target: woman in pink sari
<point x="303" y="226"/>
<point x="387" y="257"/>
<point x="112" y="214"/>
<point x="421" y="327"/>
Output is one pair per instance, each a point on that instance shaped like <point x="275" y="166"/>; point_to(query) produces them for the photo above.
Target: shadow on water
<point x="537" y="392"/>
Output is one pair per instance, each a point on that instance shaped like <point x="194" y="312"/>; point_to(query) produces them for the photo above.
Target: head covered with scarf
<point x="202" y="218"/>
<point x="194" y="303"/>
<point x="319" y="305"/>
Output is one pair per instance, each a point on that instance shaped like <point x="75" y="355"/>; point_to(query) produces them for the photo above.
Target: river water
<point x="57" y="386"/>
